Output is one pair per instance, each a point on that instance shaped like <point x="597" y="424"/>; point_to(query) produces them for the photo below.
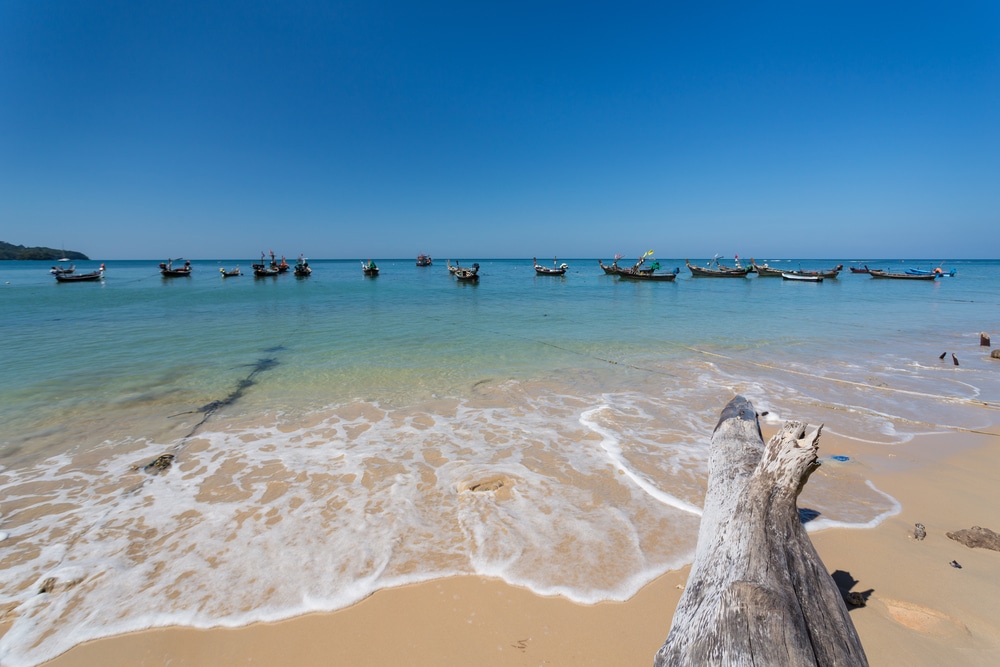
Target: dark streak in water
<point x="211" y="408"/>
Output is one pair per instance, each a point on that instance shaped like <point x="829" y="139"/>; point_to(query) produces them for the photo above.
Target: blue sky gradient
<point x="133" y="129"/>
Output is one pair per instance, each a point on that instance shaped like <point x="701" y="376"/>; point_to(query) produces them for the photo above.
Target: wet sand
<point x="920" y="610"/>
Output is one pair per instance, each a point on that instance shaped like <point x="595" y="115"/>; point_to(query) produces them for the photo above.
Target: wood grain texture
<point x="758" y="593"/>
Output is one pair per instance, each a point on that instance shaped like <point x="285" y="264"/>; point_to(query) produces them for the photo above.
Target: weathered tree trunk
<point x="758" y="593"/>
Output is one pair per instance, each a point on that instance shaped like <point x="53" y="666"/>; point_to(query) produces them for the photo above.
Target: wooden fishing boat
<point x="468" y="275"/>
<point x="876" y="273"/>
<point x="62" y="270"/>
<point x="720" y="270"/>
<point x="647" y="274"/>
<point x="614" y="268"/>
<point x="424" y="260"/>
<point x="860" y="269"/>
<point x="453" y="269"/>
<point x="229" y="274"/>
<point x="832" y="273"/>
<point x="167" y="269"/>
<point x="937" y="272"/>
<point x="801" y="278"/>
<point x="263" y="271"/>
<point x="546" y="271"/>
<point x="369" y="268"/>
<point x="763" y="270"/>
<point x="80" y="277"/>
<point x="302" y="269"/>
<point x="280" y="267"/>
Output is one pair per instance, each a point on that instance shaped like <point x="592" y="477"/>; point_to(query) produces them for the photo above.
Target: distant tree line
<point x="10" y="251"/>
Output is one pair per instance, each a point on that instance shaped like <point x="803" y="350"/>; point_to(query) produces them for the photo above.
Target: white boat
<point x="802" y="278"/>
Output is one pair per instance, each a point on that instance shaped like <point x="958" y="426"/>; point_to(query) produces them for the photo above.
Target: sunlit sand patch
<point x="924" y="619"/>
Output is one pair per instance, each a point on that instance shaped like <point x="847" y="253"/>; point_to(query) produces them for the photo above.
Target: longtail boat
<point x="763" y="270"/>
<point x="721" y="271"/>
<point x="801" y="278"/>
<point x="832" y="273"/>
<point x="467" y="275"/>
<point x="302" y="269"/>
<point x="614" y="268"/>
<point x="860" y="269"/>
<point x="647" y="274"/>
<point x="424" y="260"/>
<point x="229" y="274"/>
<point x="554" y="271"/>
<point x="369" y="268"/>
<point x="876" y="273"/>
<point x="80" y="277"/>
<point x="167" y="269"/>
<point x="937" y="272"/>
<point x="264" y="271"/>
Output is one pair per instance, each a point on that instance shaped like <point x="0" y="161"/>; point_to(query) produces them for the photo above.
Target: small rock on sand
<point x="976" y="537"/>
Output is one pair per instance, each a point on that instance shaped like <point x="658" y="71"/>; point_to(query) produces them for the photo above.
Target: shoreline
<point x="920" y="610"/>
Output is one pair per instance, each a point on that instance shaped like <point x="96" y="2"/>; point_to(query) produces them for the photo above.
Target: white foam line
<point x="896" y="508"/>
<point x="610" y="445"/>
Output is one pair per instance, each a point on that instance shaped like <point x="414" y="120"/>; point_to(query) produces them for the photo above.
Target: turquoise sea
<point x="338" y="434"/>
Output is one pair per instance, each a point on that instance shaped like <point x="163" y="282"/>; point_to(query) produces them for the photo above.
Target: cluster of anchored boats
<point x="641" y="270"/>
<point x="715" y="269"/>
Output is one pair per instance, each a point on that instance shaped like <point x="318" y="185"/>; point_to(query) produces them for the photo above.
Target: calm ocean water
<point x="339" y="434"/>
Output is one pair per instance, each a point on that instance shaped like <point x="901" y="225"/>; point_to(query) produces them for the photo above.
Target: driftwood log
<point x="758" y="593"/>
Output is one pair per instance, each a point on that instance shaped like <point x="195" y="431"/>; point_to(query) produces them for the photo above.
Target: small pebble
<point x="955" y="565"/>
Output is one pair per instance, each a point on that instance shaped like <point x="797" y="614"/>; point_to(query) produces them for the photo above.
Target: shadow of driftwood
<point x="806" y="515"/>
<point x="845" y="582"/>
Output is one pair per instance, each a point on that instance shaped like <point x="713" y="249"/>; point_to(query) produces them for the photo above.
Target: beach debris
<point x="955" y="564"/>
<point x="995" y="354"/>
<point x="976" y="537"/>
<point x="157" y="465"/>
<point x="840" y="457"/>
<point x="488" y="485"/>
<point x="984" y="339"/>
<point x="855" y="599"/>
<point x="943" y="355"/>
<point x="61" y="580"/>
<point x="954" y="358"/>
<point x="919" y="532"/>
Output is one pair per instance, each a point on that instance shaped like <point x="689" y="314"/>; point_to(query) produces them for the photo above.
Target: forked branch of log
<point x="758" y="593"/>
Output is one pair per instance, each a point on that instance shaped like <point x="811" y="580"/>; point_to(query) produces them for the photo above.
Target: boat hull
<point x="800" y="278"/>
<point x="875" y="273"/>
<point x="702" y="272"/>
<point x="80" y="278"/>
<point x="648" y="277"/>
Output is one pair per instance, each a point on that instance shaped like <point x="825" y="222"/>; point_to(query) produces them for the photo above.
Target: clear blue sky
<point x="472" y="129"/>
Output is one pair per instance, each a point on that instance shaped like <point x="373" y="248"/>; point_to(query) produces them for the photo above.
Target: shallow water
<point x="340" y="434"/>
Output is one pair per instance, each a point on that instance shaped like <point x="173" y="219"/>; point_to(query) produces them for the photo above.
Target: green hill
<point x="10" y="251"/>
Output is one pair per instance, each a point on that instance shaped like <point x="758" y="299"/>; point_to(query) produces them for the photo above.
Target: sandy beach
<point x="921" y="610"/>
